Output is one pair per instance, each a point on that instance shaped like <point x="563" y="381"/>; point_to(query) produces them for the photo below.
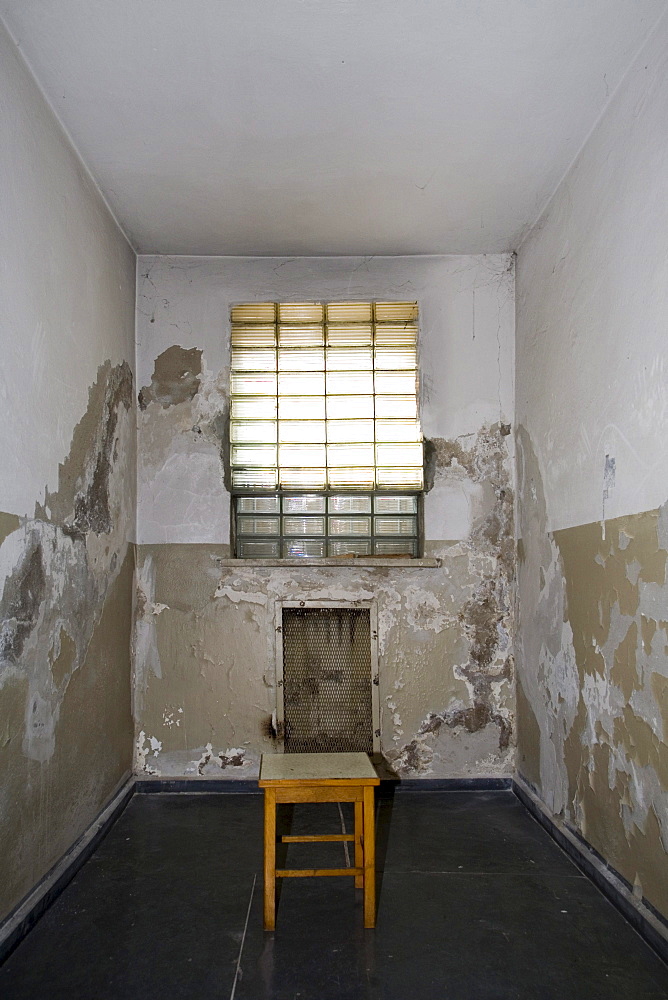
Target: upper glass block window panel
<point x="336" y="384"/>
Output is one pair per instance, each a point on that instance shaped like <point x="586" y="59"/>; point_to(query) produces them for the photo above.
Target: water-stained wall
<point x="67" y="493"/>
<point x="205" y="686"/>
<point x="592" y="433"/>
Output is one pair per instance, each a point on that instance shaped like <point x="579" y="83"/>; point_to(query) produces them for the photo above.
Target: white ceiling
<point x="328" y="126"/>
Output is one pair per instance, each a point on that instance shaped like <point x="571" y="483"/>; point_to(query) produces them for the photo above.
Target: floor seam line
<point x="450" y="871"/>
<point x="243" y="939"/>
<point x="344" y="831"/>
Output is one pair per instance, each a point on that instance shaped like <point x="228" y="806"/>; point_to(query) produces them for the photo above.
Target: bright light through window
<point x="324" y="398"/>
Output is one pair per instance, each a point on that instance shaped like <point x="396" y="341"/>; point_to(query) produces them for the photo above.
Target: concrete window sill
<point x="364" y="562"/>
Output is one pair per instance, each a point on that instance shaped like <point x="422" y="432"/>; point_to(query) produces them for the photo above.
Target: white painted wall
<point x="592" y="312"/>
<point x="66" y="288"/>
<point x="466" y="360"/>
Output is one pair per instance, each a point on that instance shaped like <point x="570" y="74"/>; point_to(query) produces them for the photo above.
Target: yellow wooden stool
<point x="320" y="777"/>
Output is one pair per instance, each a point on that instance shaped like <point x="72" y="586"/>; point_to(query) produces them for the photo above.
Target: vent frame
<point x="372" y="607"/>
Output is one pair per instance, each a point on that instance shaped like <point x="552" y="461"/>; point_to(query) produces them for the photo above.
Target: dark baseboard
<point x="250" y="786"/>
<point x="226" y="786"/>
<point x="449" y="784"/>
<point x="642" y="916"/>
<point x="24" y="916"/>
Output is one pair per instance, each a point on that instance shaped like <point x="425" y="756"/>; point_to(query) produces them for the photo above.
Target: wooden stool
<point x="320" y="777"/>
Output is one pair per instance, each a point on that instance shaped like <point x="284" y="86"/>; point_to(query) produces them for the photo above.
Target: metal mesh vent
<point x="327" y="680"/>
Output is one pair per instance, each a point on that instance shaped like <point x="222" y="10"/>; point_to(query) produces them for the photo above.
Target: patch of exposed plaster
<point x="232" y="757"/>
<point x="240" y="595"/>
<point x="183" y="462"/>
<point x="144" y="747"/>
<point x="146" y="657"/>
<point x="592" y="646"/>
<point x="176" y="378"/>
<point x="57" y="568"/>
<point x="486" y="618"/>
<point x="172" y="718"/>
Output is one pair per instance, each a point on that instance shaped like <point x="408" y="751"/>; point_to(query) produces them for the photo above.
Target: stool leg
<point x="269" y="859"/>
<point x="359" y="839"/>
<point x="369" y="859"/>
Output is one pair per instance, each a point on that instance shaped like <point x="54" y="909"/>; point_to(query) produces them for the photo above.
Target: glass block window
<point x="326" y="525"/>
<point x="324" y="400"/>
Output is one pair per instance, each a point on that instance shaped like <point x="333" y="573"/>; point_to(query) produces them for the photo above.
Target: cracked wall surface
<point x="67" y="491"/>
<point x="65" y="612"/>
<point x="592" y="450"/>
<point x="592" y="681"/>
<point x="205" y="685"/>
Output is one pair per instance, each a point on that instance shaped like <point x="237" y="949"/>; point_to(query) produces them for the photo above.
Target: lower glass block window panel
<point x="300" y="547"/>
<point x="394" y="526"/>
<point x="261" y="549"/>
<point x="304" y="504"/>
<point x="349" y="505"/>
<point x="314" y="525"/>
<point x="258" y="525"/>
<point x="349" y="526"/>
<point x="258" y="505"/>
<point x="349" y="547"/>
<point x="395" y="505"/>
<point x="392" y="547"/>
<point x="303" y="526"/>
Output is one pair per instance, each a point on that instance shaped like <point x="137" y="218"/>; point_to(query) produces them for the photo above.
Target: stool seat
<point x="320" y="777"/>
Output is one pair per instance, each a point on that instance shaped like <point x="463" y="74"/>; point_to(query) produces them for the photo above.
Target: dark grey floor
<point x="475" y="903"/>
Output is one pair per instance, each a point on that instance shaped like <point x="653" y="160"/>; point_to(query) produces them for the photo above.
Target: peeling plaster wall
<point x="205" y="694"/>
<point x="592" y="436"/>
<point x="67" y="493"/>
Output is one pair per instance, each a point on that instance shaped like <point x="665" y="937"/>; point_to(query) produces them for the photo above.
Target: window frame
<point x="280" y="493"/>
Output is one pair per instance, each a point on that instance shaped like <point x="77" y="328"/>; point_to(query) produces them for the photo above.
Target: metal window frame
<point x="375" y="674"/>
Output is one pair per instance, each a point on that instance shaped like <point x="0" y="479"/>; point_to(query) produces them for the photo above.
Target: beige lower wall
<point x="592" y="682"/>
<point x="205" y="694"/>
<point x="47" y="804"/>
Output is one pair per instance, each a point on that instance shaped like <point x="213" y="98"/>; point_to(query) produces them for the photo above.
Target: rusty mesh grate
<point x="327" y="680"/>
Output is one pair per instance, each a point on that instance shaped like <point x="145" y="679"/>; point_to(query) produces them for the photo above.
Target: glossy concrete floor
<point x="475" y="903"/>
